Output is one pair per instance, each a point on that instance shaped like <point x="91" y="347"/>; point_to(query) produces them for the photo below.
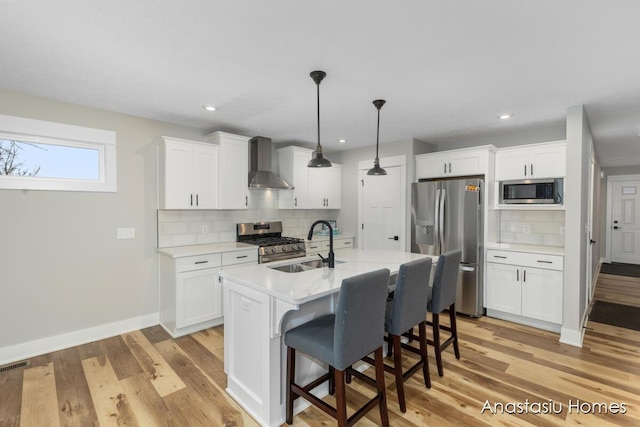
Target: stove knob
<point x="298" y="247"/>
<point x="273" y="250"/>
<point x="284" y="248"/>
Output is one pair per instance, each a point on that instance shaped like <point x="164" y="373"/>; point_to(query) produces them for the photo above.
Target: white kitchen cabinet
<point x="293" y="169"/>
<point x="546" y="160"/>
<point x="190" y="289"/>
<point x="188" y="174"/>
<point x="461" y="162"/>
<point x="314" y="188"/>
<point x="233" y="170"/>
<point x="321" y="245"/>
<point x="525" y="287"/>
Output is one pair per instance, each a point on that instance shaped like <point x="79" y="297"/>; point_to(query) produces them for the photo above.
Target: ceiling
<point x="446" y="68"/>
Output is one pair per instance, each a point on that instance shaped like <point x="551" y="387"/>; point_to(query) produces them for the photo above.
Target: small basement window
<point x="39" y="155"/>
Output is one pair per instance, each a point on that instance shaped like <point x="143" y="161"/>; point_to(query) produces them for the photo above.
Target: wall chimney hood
<point x="260" y="175"/>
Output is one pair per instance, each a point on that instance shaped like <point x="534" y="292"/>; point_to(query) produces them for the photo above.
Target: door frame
<point x="393" y="161"/>
<point x="610" y="180"/>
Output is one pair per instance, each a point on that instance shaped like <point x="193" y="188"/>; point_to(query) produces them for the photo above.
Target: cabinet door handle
<point x="201" y="262"/>
<point x="246" y="200"/>
<point x="531" y="169"/>
<point x="241" y="256"/>
<point x="295" y="202"/>
<point x="500" y="256"/>
<point x="191" y="201"/>
<point x="524" y="276"/>
<point x="445" y="168"/>
<point x="449" y="167"/>
<point x="546" y="262"/>
<point x="517" y="275"/>
<point x="197" y="200"/>
<point x="525" y="169"/>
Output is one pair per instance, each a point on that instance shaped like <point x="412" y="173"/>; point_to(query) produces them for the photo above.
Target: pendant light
<point x="377" y="170"/>
<point x="318" y="160"/>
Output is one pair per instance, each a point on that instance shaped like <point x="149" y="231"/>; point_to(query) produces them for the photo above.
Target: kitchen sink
<point x="302" y="266"/>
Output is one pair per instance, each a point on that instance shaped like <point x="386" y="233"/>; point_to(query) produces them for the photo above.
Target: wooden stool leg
<point x="422" y="328"/>
<point x="454" y="330"/>
<point x="341" y="400"/>
<point x="397" y="367"/>
<point x="291" y="369"/>
<point x="332" y="381"/>
<point x="436" y="342"/>
<point x="384" y="415"/>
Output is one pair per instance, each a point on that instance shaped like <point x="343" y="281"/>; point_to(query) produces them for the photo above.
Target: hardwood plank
<point x="188" y="409"/>
<point x="124" y="364"/>
<point x="213" y="340"/>
<point x="39" y="405"/>
<point x="10" y="397"/>
<point x="146" y="403"/>
<point x="163" y="378"/>
<point x="208" y="363"/>
<point x="156" y="334"/>
<point x="111" y="403"/>
<point x="74" y="399"/>
<point x="221" y="406"/>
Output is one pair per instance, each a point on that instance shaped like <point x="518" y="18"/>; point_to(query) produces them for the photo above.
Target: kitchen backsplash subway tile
<point x="181" y="228"/>
<point x="545" y="228"/>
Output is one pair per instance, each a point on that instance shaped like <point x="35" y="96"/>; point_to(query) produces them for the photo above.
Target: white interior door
<point x="625" y="222"/>
<point x="381" y="215"/>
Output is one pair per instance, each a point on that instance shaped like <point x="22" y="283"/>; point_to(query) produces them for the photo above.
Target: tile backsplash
<point x="181" y="228"/>
<point x="545" y="228"/>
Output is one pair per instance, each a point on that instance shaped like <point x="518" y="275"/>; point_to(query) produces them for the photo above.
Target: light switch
<point x="126" y="233"/>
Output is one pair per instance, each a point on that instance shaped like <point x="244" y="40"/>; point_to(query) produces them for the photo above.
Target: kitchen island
<point x="261" y="303"/>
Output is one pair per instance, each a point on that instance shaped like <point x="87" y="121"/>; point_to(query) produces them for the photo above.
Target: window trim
<point x="39" y="131"/>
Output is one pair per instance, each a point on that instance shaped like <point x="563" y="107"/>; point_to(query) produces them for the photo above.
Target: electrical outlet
<point x="126" y="233"/>
<point x="562" y="230"/>
<point x="526" y="229"/>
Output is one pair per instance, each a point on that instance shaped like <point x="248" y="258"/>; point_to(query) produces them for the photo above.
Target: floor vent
<point x="17" y="365"/>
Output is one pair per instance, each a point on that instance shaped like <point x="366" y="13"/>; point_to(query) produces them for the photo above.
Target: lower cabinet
<point x="190" y="289"/>
<point x="525" y="287"/>
<point x="321" y="246"/>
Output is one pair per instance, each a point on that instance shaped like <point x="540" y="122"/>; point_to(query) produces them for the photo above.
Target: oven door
<point x="281" y="257"/>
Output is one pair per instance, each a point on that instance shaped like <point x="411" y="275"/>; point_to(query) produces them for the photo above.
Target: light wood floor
<point x="145" y="378"/>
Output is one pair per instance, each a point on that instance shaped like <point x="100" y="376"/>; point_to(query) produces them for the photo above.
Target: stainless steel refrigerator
<point x="447" y="214"/>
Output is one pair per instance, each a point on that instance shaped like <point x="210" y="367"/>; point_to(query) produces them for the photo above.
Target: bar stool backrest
<point x="359" y="322"/>
<point x="410" y="297"/>
<point x="445" y="281"/>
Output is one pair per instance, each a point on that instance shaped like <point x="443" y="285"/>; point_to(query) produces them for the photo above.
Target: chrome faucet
<point x="331" y="258"/>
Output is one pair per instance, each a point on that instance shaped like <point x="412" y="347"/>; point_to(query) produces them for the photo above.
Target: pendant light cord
<point x="318" y="92"/>
<point x="378" y="135"/>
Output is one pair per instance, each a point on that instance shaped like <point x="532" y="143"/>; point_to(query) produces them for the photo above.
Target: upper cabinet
<point x="472" y="161"/>
<point x="233" y="169"/>
<point x="188" y="174"/>
<point x="314" y="188"/>
<point x="546" y="160"/>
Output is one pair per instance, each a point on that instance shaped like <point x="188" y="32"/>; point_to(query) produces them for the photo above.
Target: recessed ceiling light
<point x="210" y="107"/>
<point x="342" y="141"/>
<point x="505" y="116"/>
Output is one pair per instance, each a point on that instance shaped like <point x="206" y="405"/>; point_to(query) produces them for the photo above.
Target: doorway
<point x="623" y="219"/>
<point x="382" y="205"/>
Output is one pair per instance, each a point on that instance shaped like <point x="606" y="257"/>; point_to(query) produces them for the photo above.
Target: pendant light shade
<point x="377" y="170"/>
<point x="318" y="160"/>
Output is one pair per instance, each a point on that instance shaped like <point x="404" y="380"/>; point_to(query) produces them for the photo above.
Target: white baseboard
<point x="571" y="336"/>
<point x="71" y="339"/>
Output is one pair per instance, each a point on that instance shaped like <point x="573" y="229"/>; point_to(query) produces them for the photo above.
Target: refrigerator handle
<point x="436" y="222"/>
<point x="443" y="193"/>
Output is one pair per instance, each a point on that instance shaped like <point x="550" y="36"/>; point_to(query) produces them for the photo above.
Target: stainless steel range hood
<point x="260" y="176"/>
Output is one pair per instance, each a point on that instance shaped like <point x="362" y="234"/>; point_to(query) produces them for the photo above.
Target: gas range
<point x="272" y="246"/>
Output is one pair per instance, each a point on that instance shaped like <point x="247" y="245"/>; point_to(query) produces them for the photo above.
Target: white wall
<point x="62" y="268"/>
<point x="579" y="143"/>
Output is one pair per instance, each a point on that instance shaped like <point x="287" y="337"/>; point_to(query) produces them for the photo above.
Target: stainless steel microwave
<point x="532" y="191"/>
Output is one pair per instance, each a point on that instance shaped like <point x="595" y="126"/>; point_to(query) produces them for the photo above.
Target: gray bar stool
<point x="341" y="339"/>
<point x="445" y="283"/>
<point x="405" y="310"/>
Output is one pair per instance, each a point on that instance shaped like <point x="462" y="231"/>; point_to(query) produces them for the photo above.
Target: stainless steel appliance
<point x="447" y="215"/>
<point x="268" y="237"/>
<point x="532" y="191"/>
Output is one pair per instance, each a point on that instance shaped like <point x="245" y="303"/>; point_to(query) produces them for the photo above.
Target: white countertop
<point x="548" y="250"/>
<point x="298" y="288"/>
<point x="211" y="248"/>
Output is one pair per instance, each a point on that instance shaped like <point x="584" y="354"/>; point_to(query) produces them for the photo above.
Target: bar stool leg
<point x="341" y="401"/>
<point x="454" y="330"/>
<point x="384" y="415"/>
<point x="436" y="342"/>
<point x="422" y="330"/>
<point x="291" y="369"/>
<point x="397" y="363"/>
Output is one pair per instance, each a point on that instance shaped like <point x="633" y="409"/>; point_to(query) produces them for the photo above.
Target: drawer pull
<point x="500" y="256"/>
<point x="346" y="243"/>
<point x="313" y="247"/>
<point x="201" y="262"/>
<point x="241" y="256"/>
<point x="546" y="262"/>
